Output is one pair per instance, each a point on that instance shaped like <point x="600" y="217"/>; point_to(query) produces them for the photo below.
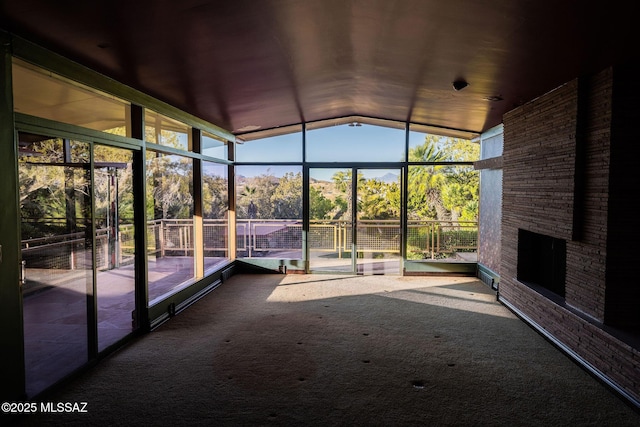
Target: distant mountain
<point x="389" y="177"/>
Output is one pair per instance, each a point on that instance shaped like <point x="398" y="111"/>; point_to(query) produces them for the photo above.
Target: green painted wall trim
<point x="39" y="125"/>
<point x="12" y="386"/>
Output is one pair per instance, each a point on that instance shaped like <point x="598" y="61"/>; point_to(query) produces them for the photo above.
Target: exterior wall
<point x="490" y="202"/>
<point x="557" y="168"/>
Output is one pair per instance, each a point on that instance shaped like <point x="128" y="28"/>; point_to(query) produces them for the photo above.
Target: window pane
<point x="215" y="204"/>
<point x="214" y="147"/>
<point x="330" y="219"/>
<point x="55" y="207"/>
<point x="425" y="147"/>
<point x="115" y="244"/>
<point x="42" y="94"/>
<point x="269" y="211"/>
<point x="165" y="131"/>
<point x="355" y="142"/>
<point x="442" y="208"/>
<point x="170" y="228"/>
<point x="280" y="148"/>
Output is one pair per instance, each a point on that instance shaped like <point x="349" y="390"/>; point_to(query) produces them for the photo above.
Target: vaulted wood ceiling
<point x="247" y="64"/>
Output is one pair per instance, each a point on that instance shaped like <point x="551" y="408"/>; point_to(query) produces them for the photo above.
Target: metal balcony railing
<point x="255" y="237"/>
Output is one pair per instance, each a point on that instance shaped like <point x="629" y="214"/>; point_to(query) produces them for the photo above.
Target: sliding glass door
<point x="378" y="231"/>
<point x="114" y="237"/>
<point x="77" y="253"/>
<point x="361" y="218"/>
<point x="330" y="219"/>
<point x="57" y="241"/>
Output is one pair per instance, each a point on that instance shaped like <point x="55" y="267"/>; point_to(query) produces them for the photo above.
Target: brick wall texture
<point x="559" y="180"/>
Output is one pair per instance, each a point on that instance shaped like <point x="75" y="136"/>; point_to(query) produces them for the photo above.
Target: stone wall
<point x="559" y="169"/>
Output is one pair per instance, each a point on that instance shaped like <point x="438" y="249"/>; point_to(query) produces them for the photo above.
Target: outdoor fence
<point x="255" y="238"/>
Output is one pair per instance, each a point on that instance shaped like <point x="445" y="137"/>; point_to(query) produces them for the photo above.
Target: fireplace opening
<point x="542" y="261"/>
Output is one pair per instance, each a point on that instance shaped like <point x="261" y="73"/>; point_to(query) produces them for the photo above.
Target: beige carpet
<point x="328" y="350"/>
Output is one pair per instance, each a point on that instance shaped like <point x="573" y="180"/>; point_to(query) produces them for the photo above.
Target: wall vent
<point x="488" y="279"/>
<point x="227" y="273"/>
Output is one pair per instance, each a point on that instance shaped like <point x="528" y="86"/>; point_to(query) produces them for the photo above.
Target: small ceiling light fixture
<point x="352" y="124"/>
<point x="460" y="84"/>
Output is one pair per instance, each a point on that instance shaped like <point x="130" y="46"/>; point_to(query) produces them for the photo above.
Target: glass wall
<point x="442" y="206"/>
<point x="443" y="198"/>
<point x="269" y="211"/>
<point x="272" y="146"/>
<point x="115" y="244"/>
<point x="166" y="131"/>
<point x="77" y="169"/>
<point x="355" y="140"/>
<point x="215" y="208"/>
<point x="77" y="207"/>
<point x="378" y="221"/>
<point x="57" y="240"/>
<point x="375" y="227"/>
<point x="170" y="224"/>
<point x="43" y="94"/>
<point x="330" y="219"/>
<point x="213" y="146"/>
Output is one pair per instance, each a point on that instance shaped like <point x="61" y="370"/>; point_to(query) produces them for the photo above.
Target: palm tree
<point x="427" y="152"/>
<point x="425" y="181"/>
<point x="248" y="191"/>
<point x="342" y="182"/>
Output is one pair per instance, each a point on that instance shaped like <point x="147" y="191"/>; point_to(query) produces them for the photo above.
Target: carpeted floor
<point x="323" y="350"/>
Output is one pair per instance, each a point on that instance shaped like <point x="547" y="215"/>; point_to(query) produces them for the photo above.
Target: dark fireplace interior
<point x="542" y="261"/>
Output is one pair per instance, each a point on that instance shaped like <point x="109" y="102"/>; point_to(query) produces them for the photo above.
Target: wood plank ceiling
<point x="262" y="64"/>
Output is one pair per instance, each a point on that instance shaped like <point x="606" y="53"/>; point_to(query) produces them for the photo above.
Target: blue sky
<point x="343" y="143"/>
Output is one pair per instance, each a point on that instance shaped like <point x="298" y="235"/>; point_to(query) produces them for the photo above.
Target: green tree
<point x="54" y="197"/>
<point x="248" y="192"/>
<point x="342" y="181"/>
<point x="378" y="199"/>
<point x="443" y="192"/>
<point x="273" y="197"/>
<point x="169" y="186"/>
<point x="214" y="196"/>
<point x="424" y="201"/>
<point x="286" y="199"/>
<point x="459" y="150"/>
<point x="460" y="194"/>
<point x="341" y="207"/>
<point x="319" y="206"/>
<point x="264" y="186"/>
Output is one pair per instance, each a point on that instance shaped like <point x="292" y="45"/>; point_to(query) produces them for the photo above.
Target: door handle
<point x="23" y="273"/>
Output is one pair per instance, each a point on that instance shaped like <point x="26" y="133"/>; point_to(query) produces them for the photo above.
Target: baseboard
<point x="573" y="355"/>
